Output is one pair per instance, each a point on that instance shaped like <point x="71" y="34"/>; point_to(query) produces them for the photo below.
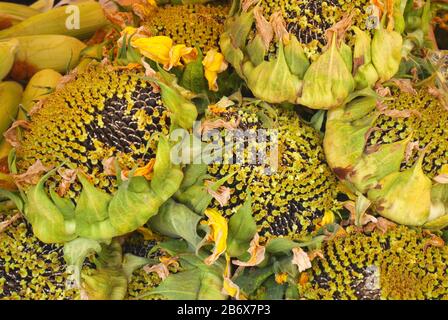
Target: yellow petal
<point x="213" y="63"/>
<point x="281" y="278"/>
<point x="218" y="234"/>
<point x="229" y="287"/>
<point x="155" y="48"/>
<point x="178" y="52"/>
<point x="328" y="218"/>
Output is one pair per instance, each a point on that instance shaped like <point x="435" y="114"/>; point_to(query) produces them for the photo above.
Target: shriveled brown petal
<point x="32" y="175"/>
<point x="209" y="125"/>
<point x="371" y="149"/>
<point x="441" y="178"/>
<point x="256" y="251"/>
<point x="279" y="27"/>
<point x="68" y="177"/>
<point x="382" y="91"/>
<point x="5" y="224"/>
<point x="264" y="28"/>
<point x="301" y="259"/>
<point x="247" y="4"/>
<point x="71" y="76"/>
<point x="440" y="95"/>
<point x="411" y="146"/>
<point x="393" y="113"/>
<point x="339" y="28"/>
<point x="109" y="166"/>
<point x="370" y="131"/>
<point x="405" y="85"/>
<point x="149" y="72"/>
<point x="160" y="268"/>
<point x="121" y="19"/>
<point x="11" y="135"/>
<point x="316" y="254"/>
<point x="222" y="195"/>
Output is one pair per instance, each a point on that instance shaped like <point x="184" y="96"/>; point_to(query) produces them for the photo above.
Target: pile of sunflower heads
<point x="245" y="149"/>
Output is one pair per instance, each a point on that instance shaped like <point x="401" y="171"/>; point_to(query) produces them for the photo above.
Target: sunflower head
<point x="278" y="159"/>
<point x="195" y="25"/>
<point x="396" y="265"/>
<point x="394" y="151"/>
<point x="101" y="139"/>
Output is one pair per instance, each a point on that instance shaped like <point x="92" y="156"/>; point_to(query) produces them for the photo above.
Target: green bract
<point x="393" y="151"/>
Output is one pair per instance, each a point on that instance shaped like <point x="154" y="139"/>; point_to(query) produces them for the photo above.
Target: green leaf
<point x="177" y="221"/>
<point x="193" y="75"/>
<point x="198" y="282"/>
<point x="132" y="263"/>
<point x="108" y="281"/>
<point x="15" y="197"/>
<point x="75" y="252"/>
<point x="91" y="212"/>
<point x="46" y="219"/>
<point x="271" y="290"/>
<point x="242" y="229"/>
<point x="66" y="206"/>
<point x="129" y="210"/>
<point x="252" y="278"/>
<point x="173" y="246"/>
<point x="191" y="285"/>
<point x="278" y="246"/>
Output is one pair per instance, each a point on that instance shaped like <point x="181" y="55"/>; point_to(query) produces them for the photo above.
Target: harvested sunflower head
<point x="314" y="53"/>
<point x="399" y="264"/>
<point x="395" y="152"/>
<point x="276" y="159"/>
<point x="195" y="25"/>
<point x="29" y="268"/>
<point x="100" y="140"/>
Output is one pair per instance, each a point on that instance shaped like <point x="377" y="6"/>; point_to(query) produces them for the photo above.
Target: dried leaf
<point x="32" y="175"/>
<point x="300" y="259"/>
<point x="256" y="251"/>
